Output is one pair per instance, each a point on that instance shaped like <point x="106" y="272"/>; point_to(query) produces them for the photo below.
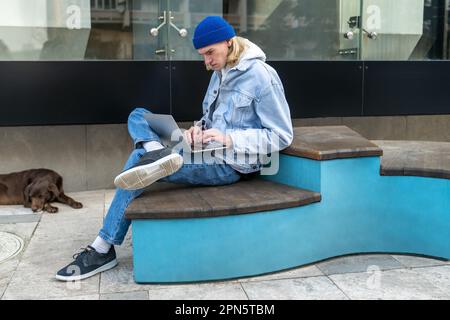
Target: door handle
<point x="349" y="35"/>
<point x="155" y="31"/>
<point x="162" y="51"/>
<point x="371" y="35"/>
<point x="182" y="32"/>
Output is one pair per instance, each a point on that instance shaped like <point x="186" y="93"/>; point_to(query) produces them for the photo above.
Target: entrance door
<point x="163" y="29"/>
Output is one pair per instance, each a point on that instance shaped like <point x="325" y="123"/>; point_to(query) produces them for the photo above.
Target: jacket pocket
<point x="240" y="110"/>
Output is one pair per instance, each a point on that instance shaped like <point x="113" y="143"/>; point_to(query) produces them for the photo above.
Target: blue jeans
<point x="115" y="225"/>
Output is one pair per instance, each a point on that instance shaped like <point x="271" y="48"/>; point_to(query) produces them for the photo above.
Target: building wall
<point x="90" y="156"/>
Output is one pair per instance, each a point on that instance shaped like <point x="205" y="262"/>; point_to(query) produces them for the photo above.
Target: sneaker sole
<point x="103" y="268"/>
<point x="143" y="176"/>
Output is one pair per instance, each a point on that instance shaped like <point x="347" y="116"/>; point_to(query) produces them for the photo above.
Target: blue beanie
<point x="212" y="29"/>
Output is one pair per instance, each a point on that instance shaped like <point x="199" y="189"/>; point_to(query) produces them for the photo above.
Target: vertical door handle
<point x="182" y="32"/>
<point x="155" y="31"/>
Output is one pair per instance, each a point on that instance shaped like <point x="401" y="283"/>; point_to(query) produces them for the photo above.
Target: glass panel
<point x="148" y="15"/>
<point x="285" y="29"/>
<point x="186" y="15"/>
<point x="111" y="34"/>
<point x="404" y="30"/>
<point x="43" y="29"/>
<point x="81" y="29"/>
<point x="120" y="30"/>
<point x="298" y="29"/>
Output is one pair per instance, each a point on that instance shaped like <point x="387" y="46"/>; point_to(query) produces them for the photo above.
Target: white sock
<point x="152" y="145"/>
<point x="100" y="245"/>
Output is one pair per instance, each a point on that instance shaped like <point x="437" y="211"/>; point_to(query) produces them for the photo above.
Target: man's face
<point x="215" y="55"/>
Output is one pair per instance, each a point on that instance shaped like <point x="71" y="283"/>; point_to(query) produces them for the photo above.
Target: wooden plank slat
<point x="212" y="201"/>
<point x="415" y="158"/>
<point x="330" y="142"/>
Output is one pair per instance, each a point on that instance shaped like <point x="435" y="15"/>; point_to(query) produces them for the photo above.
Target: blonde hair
<point x="235" y="51"/>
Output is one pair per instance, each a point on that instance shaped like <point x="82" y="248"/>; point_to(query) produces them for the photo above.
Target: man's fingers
<point x="196" y="135"/>
<point x="187" y="135"/>
<point x="209" y="133"/>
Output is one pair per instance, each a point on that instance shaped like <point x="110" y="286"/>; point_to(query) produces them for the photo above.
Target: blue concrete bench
<point x="328" y="199"/>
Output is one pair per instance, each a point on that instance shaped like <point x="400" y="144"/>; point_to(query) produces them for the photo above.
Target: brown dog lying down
<point x="35" y="189"/>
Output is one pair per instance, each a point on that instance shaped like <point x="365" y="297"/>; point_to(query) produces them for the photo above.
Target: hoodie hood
<point x="252" y="52"/>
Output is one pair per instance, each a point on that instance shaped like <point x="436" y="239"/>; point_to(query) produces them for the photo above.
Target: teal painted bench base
<point x="360" y="212"/>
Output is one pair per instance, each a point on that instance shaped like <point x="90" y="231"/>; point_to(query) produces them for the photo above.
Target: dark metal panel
<point x="406" y="88"/>
<point x="80" y="92"/>
<point x="313" y="88"/>
<point x="95" y="92"/>
<point x="190" y="81"/>
<point x="322" y="88"/>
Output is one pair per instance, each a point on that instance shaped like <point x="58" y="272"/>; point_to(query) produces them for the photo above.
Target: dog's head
<point x="40" y="192"/>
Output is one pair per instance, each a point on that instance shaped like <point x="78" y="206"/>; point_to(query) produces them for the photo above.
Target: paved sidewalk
<point x="51" y="241"/>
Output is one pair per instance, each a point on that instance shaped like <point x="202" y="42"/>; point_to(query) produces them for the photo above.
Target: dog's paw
<point x="51" y="209"/>
<point x="77" y="205"/>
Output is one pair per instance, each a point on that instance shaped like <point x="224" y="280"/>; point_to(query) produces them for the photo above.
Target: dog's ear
<point x="53" y="189"/>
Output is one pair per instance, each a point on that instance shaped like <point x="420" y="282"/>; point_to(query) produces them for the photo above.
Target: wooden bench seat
<point x="330" y="142"/>
<point x="352" y="209"/>
<point x="415" y="158"/>
<point x="170" y="201"/>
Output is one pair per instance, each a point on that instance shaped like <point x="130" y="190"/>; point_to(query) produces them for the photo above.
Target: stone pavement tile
<point x="54" y="229"/>
<point x="17" y="214"/>
<point x="89" y="196"/>
<point x="93" y="207"/>
<point x="313" y="288"/>
<point x="87" y="297"/>
<point x="66" y="213"/>
<point x="25" y="217"/>
<point x="358" y="263"/>
<point x="49" y="256"/>
<point x="399" y="284"/>
<point x="120" y="279"/>
<point x="89" y="210"/>
<point x="438" y="276"/>
<point x="14" y="210"/>
<point x="7" y="269"/>
<point x="28" y="284"/>
<point x="125" y="250"/>
<point x="34" y="277"/>
<point x="411" y="261"/>
<point x="23" y="230"/>
<point x="205" y="291"/>
<point x="134" y="295"/>
<point x="301" y="272"/>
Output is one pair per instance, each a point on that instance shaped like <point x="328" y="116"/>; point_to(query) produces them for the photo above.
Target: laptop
<point x="169" y="132"/>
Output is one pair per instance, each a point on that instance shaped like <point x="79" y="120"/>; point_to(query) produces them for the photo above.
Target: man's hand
<point x="194" y="135"/>
<point x="216" y="135"/>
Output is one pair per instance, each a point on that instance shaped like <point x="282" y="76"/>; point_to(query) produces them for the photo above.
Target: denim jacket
<point x="251" y="107"/>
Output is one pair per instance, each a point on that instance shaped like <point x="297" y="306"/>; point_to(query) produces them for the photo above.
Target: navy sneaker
<point x="87" y="263"/>
<point x="151" y="167"/>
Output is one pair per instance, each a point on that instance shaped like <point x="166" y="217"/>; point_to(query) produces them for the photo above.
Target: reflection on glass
<point x="44" y="29"/>
<point x="111" y="34"/>
<point x="296" y="30"/>
<point x="285" y="29"/>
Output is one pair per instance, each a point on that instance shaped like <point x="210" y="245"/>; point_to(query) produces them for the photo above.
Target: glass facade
<point x="161" y="30"/>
